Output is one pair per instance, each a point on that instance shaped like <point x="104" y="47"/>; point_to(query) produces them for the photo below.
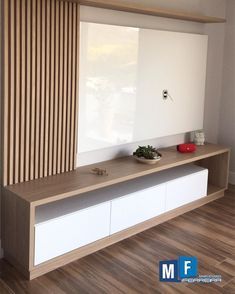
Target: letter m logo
<point x="168" y="271"/>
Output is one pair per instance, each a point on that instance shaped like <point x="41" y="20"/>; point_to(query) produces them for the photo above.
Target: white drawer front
<point x="186" y="189"/>
<point x="137" y="207"/>
<point x="56" y="237"/>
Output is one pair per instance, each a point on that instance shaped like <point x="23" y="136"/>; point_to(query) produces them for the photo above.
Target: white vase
<point x="199" y="138"/>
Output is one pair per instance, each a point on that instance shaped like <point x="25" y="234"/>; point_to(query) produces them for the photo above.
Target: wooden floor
<point x="131" y="266"/>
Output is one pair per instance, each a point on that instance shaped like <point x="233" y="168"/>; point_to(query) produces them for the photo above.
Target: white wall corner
<point x="232" y="178"/>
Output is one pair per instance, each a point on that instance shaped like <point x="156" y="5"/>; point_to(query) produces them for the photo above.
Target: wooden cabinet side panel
<point x="218" y="167"/>
<point x="15" y="228"/>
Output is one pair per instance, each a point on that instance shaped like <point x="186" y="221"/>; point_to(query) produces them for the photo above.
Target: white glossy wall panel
<point x="123" y="71"/>
<point x="175" y="62"/>
<point x="137" y="207"/>
<point x="58" y="236"/>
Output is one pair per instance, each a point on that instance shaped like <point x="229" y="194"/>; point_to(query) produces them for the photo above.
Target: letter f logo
<point x="187" y="267"/>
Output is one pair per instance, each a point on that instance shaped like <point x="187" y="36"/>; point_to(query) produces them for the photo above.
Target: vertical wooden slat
<point x="73" y="94"/>
<point x="52" y="88"/>
<point x="56" y="101"/>
<point x="38" y="90"/>
<point x="76" y="83"/>
<point x="33" y="88"/>
<point x="41" y="42"/>
<point x="22" y="100"/>
<point x="42" y="96"/>
<point x="61" y="54"/>
<point x="28" y="89"/>
<point x="68" y="96"/>
<point x="12" y="93"/>
<point x="65" y="93"/>
<point x="17" y="95"/>
<point x="6" y="95"/>
<point x="47" y="97"/>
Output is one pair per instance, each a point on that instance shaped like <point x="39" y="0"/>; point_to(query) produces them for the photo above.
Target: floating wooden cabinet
<point x="47" y="223"/>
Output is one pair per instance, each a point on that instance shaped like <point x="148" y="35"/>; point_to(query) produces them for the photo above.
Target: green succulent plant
<point x="148" y="152"/>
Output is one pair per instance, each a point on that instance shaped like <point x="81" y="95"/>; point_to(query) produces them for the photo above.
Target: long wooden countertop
<point x="53" y="188"/>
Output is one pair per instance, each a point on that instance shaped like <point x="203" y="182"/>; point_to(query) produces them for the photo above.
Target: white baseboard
<point x="232" y="178"/>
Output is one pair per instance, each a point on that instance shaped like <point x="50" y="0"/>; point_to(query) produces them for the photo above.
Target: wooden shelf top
<point x="141" y="9"/>
<point x="53" y="188"/>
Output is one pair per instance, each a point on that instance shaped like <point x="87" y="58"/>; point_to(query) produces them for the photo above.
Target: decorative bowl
<point x="147" y="161"/>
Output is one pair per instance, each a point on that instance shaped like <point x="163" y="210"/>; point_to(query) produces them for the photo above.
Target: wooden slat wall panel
<point x="40" y="88"/>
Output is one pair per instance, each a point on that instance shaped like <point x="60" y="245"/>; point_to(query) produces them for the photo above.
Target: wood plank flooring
<point x="131" y="266"/>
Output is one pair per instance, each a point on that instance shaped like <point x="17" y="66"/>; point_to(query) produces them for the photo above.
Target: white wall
<point x="227" y="114"/>
<point x="1" y="97"/>
<point x="214" y="66"/>
<point x="216" y="34"/>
